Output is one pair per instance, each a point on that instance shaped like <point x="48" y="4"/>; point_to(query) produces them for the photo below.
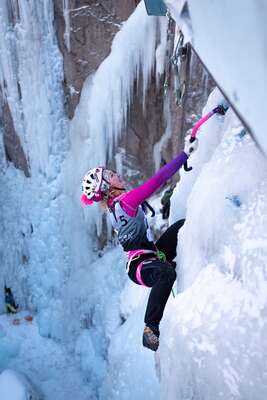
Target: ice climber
<point x="11" y="306"/>
<point x="166" y="203"/>
<point x="149" y="264"/>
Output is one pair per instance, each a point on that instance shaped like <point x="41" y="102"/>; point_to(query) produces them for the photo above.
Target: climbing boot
<point x="151" y="338"/>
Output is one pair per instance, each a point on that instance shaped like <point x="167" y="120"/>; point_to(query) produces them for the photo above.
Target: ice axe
<point x="220" y="109"/>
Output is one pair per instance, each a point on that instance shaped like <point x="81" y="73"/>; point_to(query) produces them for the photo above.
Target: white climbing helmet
<point x="94" y="186"/>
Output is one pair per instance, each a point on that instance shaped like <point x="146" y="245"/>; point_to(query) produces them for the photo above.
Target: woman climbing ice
<point x="149" y="264"/>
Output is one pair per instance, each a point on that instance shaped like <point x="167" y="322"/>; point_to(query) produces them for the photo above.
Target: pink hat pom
<point x="85" y="201"/>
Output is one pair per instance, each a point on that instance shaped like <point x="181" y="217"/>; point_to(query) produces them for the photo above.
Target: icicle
<point x="30" y="71"/>
<point x="3" y="161"/>
<point x="112" y="85"/>
<point x="161" y="48"/>
<point x="9" y="69"/>
<point x="157" y="151"/>
<point x="66" y="13"/>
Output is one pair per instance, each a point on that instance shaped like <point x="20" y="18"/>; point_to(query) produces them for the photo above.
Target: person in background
<point x="11" y="306"/>
<point x="150" y="263"/>
<point x="166" y="202"/>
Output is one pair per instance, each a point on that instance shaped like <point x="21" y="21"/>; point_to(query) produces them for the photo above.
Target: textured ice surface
<point x="234" y="52"/>
<point x="213" y="336"/>
<point x="15" y="386"/>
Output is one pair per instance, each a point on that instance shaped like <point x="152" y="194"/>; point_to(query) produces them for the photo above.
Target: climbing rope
<point x="179" y="62"/>
<point x="166" y="84"/>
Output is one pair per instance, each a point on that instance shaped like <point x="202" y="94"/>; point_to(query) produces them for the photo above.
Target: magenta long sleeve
<point x="132" y="199"/>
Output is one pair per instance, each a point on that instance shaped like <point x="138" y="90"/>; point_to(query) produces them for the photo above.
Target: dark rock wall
<point x="92" y="29"/>
<point x="142" y="132"/>
<point x="12" y="145"/>
<point x="198" y="86"/>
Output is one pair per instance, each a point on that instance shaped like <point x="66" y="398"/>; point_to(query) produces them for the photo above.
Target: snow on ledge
<point x="15" y="386"/>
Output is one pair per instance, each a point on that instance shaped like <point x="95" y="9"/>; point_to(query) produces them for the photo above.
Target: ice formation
<point x="217" y="323"/>
<point x="238" y="46"/>
<point x="16" y="386"/>
<point x="48" y="245"/>
<point x="213" y="335"/>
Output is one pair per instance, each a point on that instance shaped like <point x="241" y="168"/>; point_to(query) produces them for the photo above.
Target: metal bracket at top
<point x="156" y="7"/>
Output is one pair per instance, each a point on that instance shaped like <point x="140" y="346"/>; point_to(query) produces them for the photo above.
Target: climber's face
<point x="116" y="181"/>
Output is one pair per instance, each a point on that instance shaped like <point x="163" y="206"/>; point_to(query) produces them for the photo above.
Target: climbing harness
<point x="220" y="109"/>
<point x="161" y="256"/>
<point x="145" y="205"/>
<point x="133" y="255"/>
<point x="138" y="273"/>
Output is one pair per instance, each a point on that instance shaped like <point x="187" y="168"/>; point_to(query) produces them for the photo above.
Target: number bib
<point x="133" y="232"/>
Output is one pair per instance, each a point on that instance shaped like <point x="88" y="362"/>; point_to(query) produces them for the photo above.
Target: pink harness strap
<point x="133" y="255"/>
<point x="138" y="274"/>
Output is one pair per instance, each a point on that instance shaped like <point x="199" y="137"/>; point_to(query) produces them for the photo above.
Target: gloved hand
<point x="189" y="147"/>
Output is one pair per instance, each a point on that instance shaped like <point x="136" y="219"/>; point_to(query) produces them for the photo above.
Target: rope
<point x="179" y="62"/>
<point x="168" y="54"/>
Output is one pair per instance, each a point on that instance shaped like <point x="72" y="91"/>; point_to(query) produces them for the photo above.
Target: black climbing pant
<point x="159" y="275"/>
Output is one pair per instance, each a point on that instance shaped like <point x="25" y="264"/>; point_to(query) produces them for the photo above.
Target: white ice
<point x="85" y="339"/>
<point x="15" y="386"/>
<point x="230" y="38"/>
<point x="213" y="332"/>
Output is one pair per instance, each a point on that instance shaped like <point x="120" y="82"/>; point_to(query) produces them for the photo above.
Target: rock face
<point x="85" y="30"/>
<point x="13" y="149"/>
<point x="87" y="39"/>
<point x="92" y="26"/>
<point x="144" y="131"/>
<point x="12" y="146"/>
<point x="85" y="35"/>
<point x="198" y="85"/>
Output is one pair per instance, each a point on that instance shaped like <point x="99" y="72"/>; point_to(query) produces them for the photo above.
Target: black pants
<point x="159" y="275"/>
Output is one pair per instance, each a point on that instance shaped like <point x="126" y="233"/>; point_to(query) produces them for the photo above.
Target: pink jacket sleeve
<point x="132" y="199"/>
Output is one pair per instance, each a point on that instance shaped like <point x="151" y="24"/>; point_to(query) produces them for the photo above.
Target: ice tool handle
<point x="220" y="109"/>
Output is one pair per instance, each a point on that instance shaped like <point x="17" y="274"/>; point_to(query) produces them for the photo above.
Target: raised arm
<point x="132" y="199"/>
